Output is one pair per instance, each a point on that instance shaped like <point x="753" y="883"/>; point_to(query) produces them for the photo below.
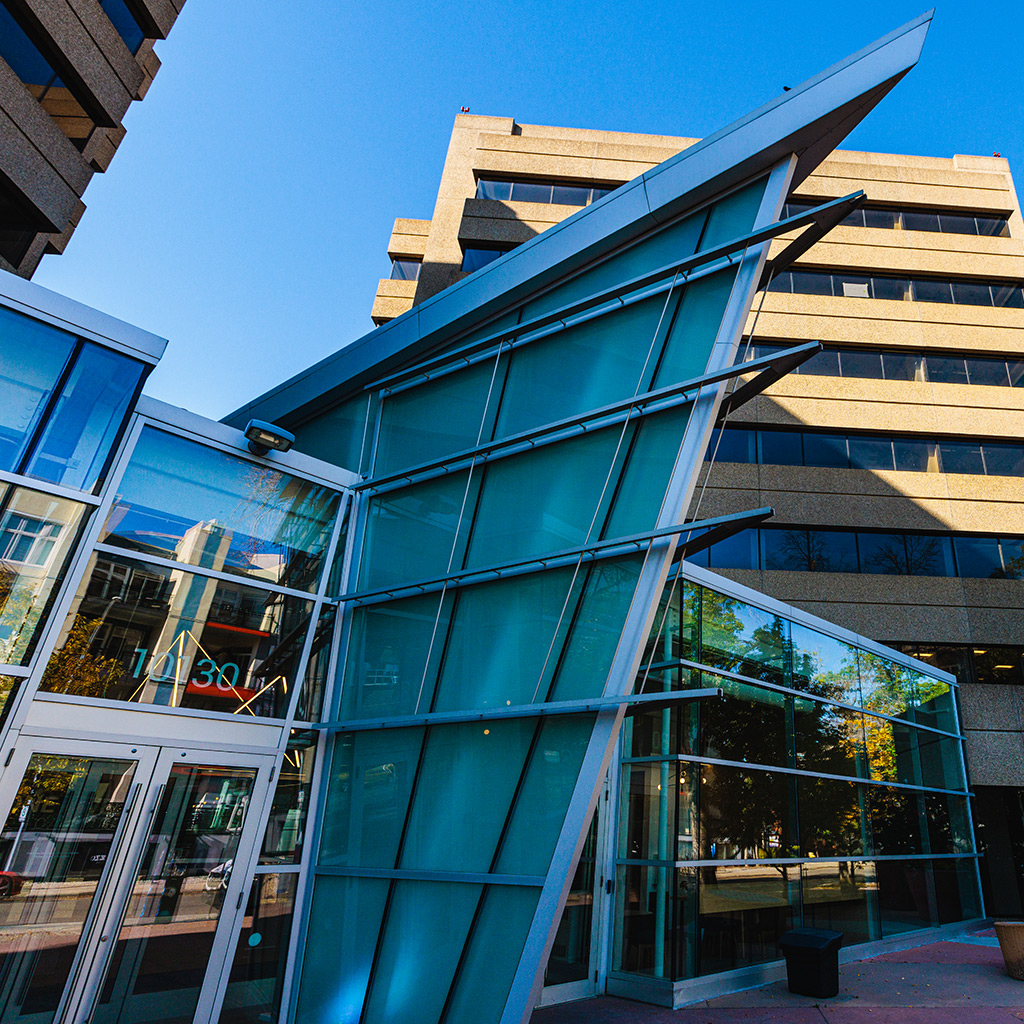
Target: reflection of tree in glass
<point x="830" y="818"/>
<point x="742" y="814"/>
<point x="742" y="639"/>
<point x="810" y="551"/>
<point x="73" y="669"/>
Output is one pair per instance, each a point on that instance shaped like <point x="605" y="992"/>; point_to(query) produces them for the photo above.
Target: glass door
<point x="69" y="808"/>
<point x="178" y="894"/>
<point x="572" y="969"/>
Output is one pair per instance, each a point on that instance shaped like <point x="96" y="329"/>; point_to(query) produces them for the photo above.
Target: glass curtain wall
<point x="825" y="789"/>
<point x="438" y="836"/>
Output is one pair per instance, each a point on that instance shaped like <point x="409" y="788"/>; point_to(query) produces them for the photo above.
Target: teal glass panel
<point x="344" y="922"/>
<point x="886" y="686"/>
<point x="387" y="658"/>
<point x="903" y="904"/>
<point x="744" y="910"/>
<point x="410" y="534"/>
<point x="670" y="245"/>
<point x="824" y="666"/>
<point x="941" y="766"/>
<point x="501" y="640"/>
<point x="582" y="368"/>
<point x="733" y="215"/>
<point x="32" y="357"/>
<point x="543" y="798"/>
<point x="743" y="639"/>
<point x="463" y="793"/>
<point x="336" y="436"/>
<point x="949" y="828"/>
<point x="596" y="629"/>
<point x="841" y="896"/>
<point x="543" y="501"/>
<point x="435" y="418"/>
<point x="368" y="796"/>
<point x="829" y="739"/>
<point x="892" y="751"/>
<point x="492" y="955"/>
<point x="424" y="936"/>
<point x="749" y="724"/>
<point x="185" y="501"/>
<point x="668" y="731"/>
<point x="661" y="802"/>
<point x="833" y="818"/>
<point x="653" y="449"/>
<point x="695" y="328"/>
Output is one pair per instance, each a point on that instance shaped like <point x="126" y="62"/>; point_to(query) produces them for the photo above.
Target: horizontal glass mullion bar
<point x="199" y="570"/>
<point x="597" y="551"/>
<point x="802" y="694"/>
<point x="727" y="249"/>
<point x="782" y="770"/>
<point x="277" y="869"/>
<point x="753" y="861"/>
<point x="15" y="670"/>
<point x="539" y="710"/>
<point x="45" y="487"/>
<point x="618" y="412"/>
<point x="477" y="878"/>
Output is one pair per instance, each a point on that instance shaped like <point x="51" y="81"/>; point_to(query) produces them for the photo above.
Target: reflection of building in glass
<point x="437" y="715"/>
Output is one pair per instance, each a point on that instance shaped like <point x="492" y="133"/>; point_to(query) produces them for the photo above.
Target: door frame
<point x="113" y="889"/>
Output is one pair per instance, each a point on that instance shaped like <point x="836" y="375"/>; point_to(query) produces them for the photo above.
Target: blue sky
<point x="246" y="214"/>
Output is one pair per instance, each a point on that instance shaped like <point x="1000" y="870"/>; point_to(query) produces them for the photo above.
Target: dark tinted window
<point x="947" y="370"/>
<point x="530" y="192"/>
<point x="971" y="293"/>
<point x="782" y="282"/>
<point x="987" y="371"/>
<point x="734" y="445"/>
<point x="957" y="224"/>
<point x="825" y="450"/>
<point x="896" y="288"/>
<point x="993" y="226"/>
<point x="1013" y="557"/>
<point x="405" y="270"/>
<point x="786" y="549"/>
<point x="736" y="552"/>
<point x="882" y="553"/>
<point x="926" y="290"/>
<point x="861" y="364"/>
<point x="1004" y="459"/>
<point x="902" y="366"/>
<point x="998" y="665"/>
<point x="824" y="364"/>
<point x="961" y="457"/>
<point x="570" y="195"/>
<point x="914" y="221"/>
<point x="780" y="448"/>
<point x="914" y="456"/>
<point x="1016" y="371"/>
<point x="124" y="21"/>
<point x="474" y="259"/>
<point x="876" y="218"/>
<point x="929" y="556"/>
<point x="486" y="189"/>
<point x="1007" y="295"/>
<point x="807" y="283"/>
<point x="871" y="453"/>
<point x="832" y="551"/>
<point x="978" y="557"/>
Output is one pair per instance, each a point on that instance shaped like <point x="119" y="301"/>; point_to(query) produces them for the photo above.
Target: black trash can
<point x="812" y="961"/>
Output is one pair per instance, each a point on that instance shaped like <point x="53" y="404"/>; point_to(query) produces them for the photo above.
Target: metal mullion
<point x="573" y="426"/>
<point x="48" y="488"/>
<point x="697" y="759"/>
<point x="201" y="570"/>
<point x="724" y="252"/>
<point x="789" y="691"/>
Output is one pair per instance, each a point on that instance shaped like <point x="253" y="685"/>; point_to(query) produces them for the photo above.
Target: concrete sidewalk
<point x="957" y="981"/>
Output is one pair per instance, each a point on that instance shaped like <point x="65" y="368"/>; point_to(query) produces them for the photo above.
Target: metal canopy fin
<point x="781" y="364"/>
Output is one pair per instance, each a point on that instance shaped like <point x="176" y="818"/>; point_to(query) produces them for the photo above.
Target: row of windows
<point x="872" y="216"/>
<point x="972" y="663"/>
<point x="541" y="191"/>
<point x="902" y="289"/>
<point x="862" y="451"/>
<point x="803" y="549"/>
<point x="872" y="364"/>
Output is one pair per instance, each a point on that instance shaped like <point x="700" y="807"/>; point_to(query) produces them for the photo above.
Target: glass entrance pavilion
<point x="432" y="717"/>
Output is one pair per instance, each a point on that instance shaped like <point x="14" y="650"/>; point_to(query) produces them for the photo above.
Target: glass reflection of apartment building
<point x="437" y="715"/>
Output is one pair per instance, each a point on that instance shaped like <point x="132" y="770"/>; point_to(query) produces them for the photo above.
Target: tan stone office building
<point x="69" y="70"/>
<point x="898" y="489"/>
